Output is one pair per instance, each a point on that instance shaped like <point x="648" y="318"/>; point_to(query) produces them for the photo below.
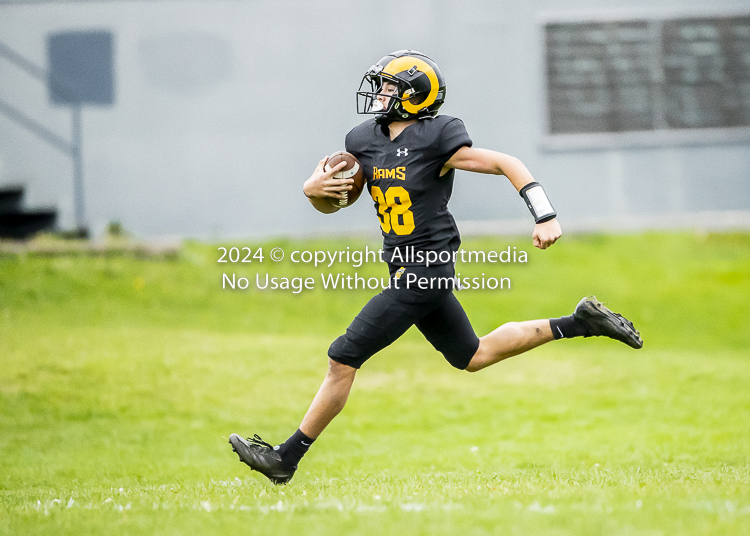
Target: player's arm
<point x="322" y="185"/>
<point x="466" y="158"/>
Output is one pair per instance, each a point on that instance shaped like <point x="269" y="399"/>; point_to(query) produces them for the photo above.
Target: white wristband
<point x="537" y="202"/>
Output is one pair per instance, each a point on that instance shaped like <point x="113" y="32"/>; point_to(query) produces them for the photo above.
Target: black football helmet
<point x="419" y="82"/>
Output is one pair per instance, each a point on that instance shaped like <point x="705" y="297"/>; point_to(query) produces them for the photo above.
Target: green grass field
<point x="120" y="379"/>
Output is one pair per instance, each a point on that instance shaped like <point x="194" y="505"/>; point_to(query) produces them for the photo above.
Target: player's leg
<point x="383" y="320"/>
<point x="448" y="329"/>
<point x="330" y="399"/>
<point x="508" y="340"/>
<point x="279" y="463"/>
<point x="590" y="319"/>
<point x="450" y="332"/>
<point x="380" y="322"/>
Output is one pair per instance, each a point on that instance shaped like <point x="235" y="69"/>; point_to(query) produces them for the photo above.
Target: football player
<point x="409" y="155"/>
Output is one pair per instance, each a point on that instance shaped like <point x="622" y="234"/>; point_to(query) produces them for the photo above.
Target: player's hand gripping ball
<point x="352" y="170"/>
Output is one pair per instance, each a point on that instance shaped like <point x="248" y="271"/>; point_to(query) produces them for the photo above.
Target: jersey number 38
<point x="393" y="209"/>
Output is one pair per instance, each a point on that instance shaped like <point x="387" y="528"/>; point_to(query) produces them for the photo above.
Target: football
<point x="352" y="170"/>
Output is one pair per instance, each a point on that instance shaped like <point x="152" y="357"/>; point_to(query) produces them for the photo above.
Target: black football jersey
<point x="403" y="177"/>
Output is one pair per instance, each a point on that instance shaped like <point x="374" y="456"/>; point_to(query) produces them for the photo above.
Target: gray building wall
<point x="223" y="108"/>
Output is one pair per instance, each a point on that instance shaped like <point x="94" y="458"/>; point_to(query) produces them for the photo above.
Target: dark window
<point x="642" y="75"/>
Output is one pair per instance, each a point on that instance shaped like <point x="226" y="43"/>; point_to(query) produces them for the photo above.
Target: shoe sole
<point x="593" y="308"/>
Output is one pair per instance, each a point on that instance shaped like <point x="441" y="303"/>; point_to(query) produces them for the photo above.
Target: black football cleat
<point x="600" y="321"/>
<point x="261" y="456"/>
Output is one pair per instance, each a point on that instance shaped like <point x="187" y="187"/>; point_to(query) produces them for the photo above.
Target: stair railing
<point x="74" y="147"/>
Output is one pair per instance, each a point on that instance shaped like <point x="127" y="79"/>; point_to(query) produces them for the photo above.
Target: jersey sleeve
<point x="452" y="138"/>
<point x="350" y="143"/>
<point x="357" y="139"/>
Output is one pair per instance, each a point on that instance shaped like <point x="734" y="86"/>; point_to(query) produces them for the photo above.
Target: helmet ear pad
<point x="419" y="83"/>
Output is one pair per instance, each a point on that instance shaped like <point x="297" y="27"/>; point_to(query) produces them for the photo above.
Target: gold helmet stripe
<point x="404" y="63"/>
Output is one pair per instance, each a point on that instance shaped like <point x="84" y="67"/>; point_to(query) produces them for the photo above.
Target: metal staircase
<point x="14" y="221"/>
<point x="17" y="223"/>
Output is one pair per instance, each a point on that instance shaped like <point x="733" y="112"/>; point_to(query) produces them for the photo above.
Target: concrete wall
<point x="223" y="108"/>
